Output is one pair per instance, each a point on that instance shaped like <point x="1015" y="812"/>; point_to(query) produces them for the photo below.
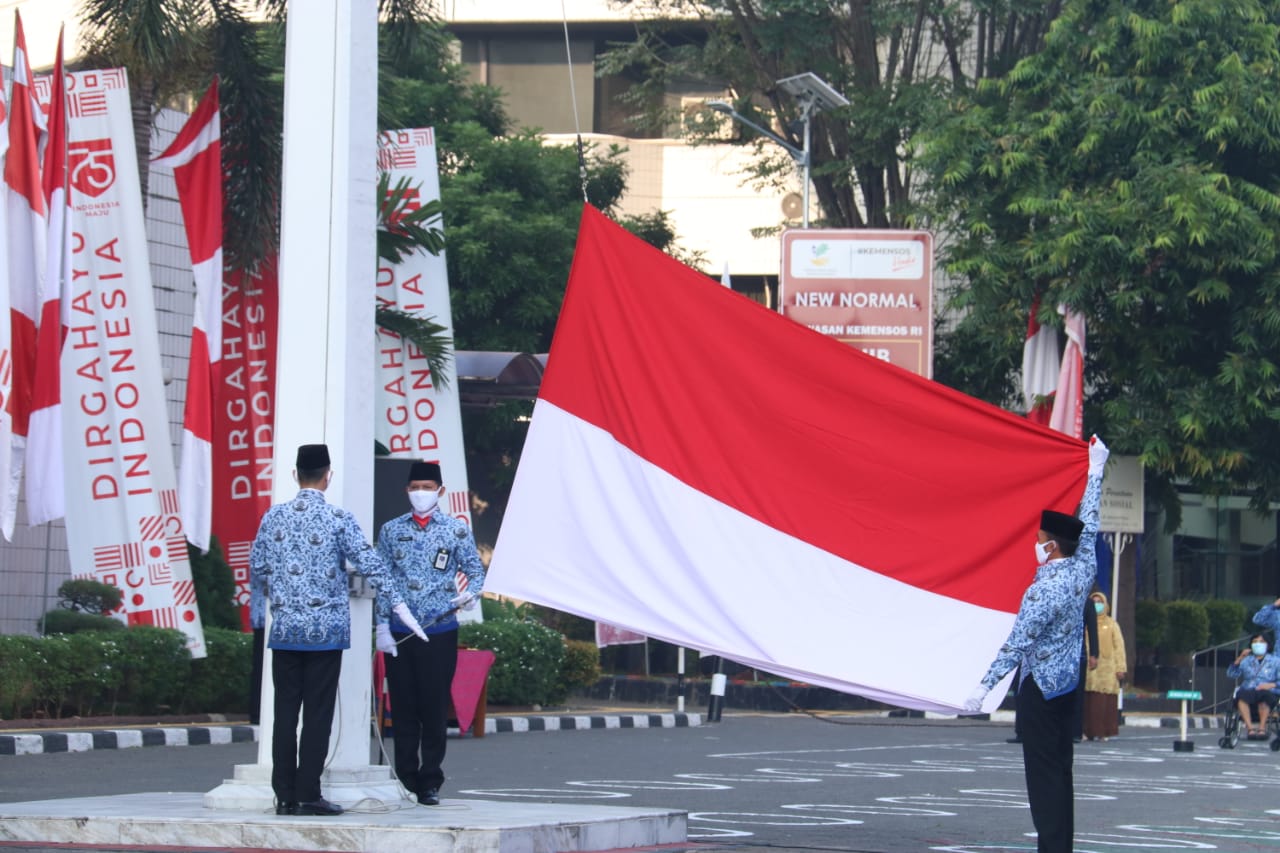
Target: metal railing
<point x="1236" y="645"/>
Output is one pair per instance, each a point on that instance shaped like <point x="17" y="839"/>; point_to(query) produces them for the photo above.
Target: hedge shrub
<point x="529" y="658"/>
<point x="1149" y="623"/>
<point x="154" y="666"/>
<point x="220" y="681"/>
<point x="1187" y="627"/>
<point x="19" y="666"/>
<point x="76" y="622"/>
<point x="1226" y="620"/>
<point x="581" y="665"/>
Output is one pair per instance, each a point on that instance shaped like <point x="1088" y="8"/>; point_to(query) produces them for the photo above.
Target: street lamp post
<point x="814" y="95"/>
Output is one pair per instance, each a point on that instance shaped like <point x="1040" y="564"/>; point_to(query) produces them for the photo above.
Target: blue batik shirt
<point x="1048" y="633"/>
<point x="1255" y="670"/>
<point x="1268" y="617"/>
<point x="425" y="559"/>
<point x="297" y="568"/>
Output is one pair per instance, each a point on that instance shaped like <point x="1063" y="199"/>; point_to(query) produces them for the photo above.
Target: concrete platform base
<point x="455" y="826"/>
<point x="250" y="789"/>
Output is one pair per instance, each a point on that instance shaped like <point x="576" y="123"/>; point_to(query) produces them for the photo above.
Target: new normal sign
<point x="870" y="289"/>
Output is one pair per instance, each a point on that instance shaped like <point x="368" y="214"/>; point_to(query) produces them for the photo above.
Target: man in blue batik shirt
<point x="1046" y="640"/>
<point x="426" y="549"/>
<point x="297" y="571"/>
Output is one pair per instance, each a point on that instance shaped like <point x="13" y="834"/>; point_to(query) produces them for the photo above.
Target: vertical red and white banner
<point x="195" y="155"/>
<point x="244" y="417"/>
<point x="44" y="470"/>
<point x="1039" y="367"/>
<point x="1068" y="404"/>
<point x="415" y="419"/>
<point x="123" y="520"/>
<point x="25" y="252"/>
<point x="6" y="341"/>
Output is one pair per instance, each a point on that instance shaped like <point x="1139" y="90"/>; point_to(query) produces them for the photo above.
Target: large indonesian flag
<point x="701" y="470"/>
<point x="195" y="155"/>
<point x="123" y="522"/>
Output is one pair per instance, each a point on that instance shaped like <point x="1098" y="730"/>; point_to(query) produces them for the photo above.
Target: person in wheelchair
<point x="1259" y="674"/>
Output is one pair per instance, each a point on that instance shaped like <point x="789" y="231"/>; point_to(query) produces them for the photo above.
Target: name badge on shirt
<point x="442" y="559"/>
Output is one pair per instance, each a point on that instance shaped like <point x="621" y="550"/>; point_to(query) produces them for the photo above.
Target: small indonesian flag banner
<point x="6" y="340"/>
<point x="26" y="229"/>
<point x="1068" y="404"/>
<point x="415" y="419"/>
<point x="44" y="470"/>
<point x="704" y="471"/>
<point x="244" y="417"/>
<point x="195" y="155"/>
<point x="612" y="635"/>
<point x="123" y="521"/>
<point x="1039" y="367"/>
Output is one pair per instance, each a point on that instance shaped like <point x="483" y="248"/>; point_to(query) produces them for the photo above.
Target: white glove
<point x="1098" y="454"/>
<point x="383" y="640"/>
<point x="463" y="601"/>
<point x="974" y="703"/>
<point x="406" y="618"/>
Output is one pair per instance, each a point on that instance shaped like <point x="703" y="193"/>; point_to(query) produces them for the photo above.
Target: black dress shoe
<point x="286" y="808"/>
<point x="320" y="808"/>
<point x="1013" y="740"/>
<point x="429" y="797"/>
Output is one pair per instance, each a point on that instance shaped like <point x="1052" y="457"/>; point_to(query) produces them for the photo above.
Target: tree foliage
<point x="1131" y="170"/>
<point x="892" y="59"/>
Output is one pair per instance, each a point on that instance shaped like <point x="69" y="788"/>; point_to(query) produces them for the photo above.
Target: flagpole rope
<point x="573" y="98"/>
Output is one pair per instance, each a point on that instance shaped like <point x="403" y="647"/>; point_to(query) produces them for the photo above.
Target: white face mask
<point x="1259" y="648"/>
<point x="1042" y="553"/>
<point x="423" y="502"/>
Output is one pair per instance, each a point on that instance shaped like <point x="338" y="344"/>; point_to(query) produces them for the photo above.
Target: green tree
<point x="215" y="587"/>
<point x="1129" y="170"/>
<point x="511" y="206"/>
<point x="893" y="59"/>
<point x="172" y="48"/>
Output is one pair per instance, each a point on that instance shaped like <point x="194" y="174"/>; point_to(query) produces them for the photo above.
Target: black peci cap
<point x="425" y="471"/>
<point x="1061" y="524"/>
<point x="312" y="456"/>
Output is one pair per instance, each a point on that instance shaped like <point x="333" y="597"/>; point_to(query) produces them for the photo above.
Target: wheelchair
<point x="1234" y="723"/>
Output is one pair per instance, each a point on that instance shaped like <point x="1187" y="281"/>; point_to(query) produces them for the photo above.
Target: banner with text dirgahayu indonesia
<point x="123" y="525"/>
<point x="416" y="420"/>
<point x="244" y="417"/>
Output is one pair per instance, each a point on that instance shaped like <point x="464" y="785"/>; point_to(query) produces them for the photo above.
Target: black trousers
<point x="1046" y="759"/>
<point x="419" y="678"/>
<point x="255" y="676"/>
<point x="306" y="682"/>
<point x="1077" y="720"/>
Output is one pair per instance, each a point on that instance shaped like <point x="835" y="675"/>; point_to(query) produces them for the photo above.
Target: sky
<point x="40" y="22"/>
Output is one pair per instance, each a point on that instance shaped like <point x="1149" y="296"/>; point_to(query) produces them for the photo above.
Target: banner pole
<point x="44" y="587"/>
